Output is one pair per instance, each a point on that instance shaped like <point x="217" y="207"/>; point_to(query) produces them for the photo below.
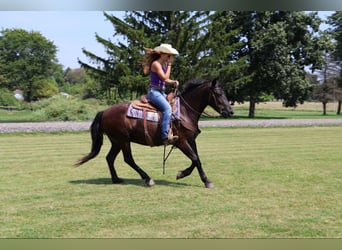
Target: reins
<point x="198" y="113"/>
<point x="173" y="147"/>
<point x="165" y="157"/>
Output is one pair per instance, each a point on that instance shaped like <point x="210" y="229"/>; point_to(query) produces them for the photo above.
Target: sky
<point x="71" y="31"/>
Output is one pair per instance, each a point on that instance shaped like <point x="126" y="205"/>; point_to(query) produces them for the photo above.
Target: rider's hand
<point x="176" y="84"/>
<point x="170" y="60"/>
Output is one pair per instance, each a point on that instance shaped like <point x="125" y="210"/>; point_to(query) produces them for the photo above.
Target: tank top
<point x="155" y="81"/>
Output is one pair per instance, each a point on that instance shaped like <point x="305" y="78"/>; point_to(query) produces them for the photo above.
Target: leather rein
<point x="211" y="95"/>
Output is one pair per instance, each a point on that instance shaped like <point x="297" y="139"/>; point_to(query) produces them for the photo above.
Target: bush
<point x="59" y="108"/>
<point x="44" y="88"/>
<point x="7" y="98"/>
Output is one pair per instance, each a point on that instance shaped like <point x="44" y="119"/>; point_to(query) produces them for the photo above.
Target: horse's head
<point x="218" y="100"/>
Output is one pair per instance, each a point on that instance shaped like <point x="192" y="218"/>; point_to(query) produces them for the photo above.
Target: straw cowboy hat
<point x="166" y="48"/>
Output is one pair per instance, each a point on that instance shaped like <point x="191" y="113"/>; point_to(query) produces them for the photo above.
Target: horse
<point x="122" y="130"/>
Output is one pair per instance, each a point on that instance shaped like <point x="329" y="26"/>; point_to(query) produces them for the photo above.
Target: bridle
<point x="211" y="95"/>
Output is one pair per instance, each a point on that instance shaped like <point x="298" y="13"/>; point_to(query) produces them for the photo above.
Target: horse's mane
<point x="192" y="84"/>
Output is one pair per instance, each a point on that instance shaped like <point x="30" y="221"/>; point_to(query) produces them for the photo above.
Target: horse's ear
<point x="214" y="82"/>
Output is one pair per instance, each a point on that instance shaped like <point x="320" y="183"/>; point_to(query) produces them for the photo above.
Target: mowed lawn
<point x="269" y="183"/>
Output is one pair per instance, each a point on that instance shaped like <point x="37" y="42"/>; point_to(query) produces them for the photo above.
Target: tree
<point x="338" y="93"/>
<point x="121" y="73"/>
<point x="330" y="89"/>
<point x="219" y="56"/>
<point x="74" y="76"/>
<point x="335" y="20"/>
<point x="25" y="58"/>
<point x="323" y="93"/>
<point x="274" y="49"/>
<point x="254" y="53"/>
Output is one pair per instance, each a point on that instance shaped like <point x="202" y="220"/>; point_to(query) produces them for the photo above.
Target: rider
<point x="157" y="63"/>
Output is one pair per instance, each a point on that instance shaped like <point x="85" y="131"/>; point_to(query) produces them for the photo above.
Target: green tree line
<point x="28" y="63"/>
<point x="255" y="54"/>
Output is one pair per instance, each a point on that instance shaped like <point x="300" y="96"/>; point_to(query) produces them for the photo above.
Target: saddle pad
<point x="176" y="109"/>
<point x="152" y="116"/>
<point x="139" y="113"/>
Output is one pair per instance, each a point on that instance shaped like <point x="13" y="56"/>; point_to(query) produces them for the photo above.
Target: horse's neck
<point x="195" y="102"/>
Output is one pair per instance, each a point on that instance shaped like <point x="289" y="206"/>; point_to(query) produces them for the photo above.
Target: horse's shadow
<point x="136" y="182"/>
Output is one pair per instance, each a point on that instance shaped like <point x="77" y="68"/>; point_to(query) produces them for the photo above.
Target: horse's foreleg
<point x="204" y="178"/>
<point x="190" y="150"/>
<point x="126" y="150"/>
<point x="110" y="161"/>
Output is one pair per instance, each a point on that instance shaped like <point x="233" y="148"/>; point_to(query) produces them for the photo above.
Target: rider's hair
<point x="148" y="58"/>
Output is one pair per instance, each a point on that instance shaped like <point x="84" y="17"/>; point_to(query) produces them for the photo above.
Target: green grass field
<point x="269" y="183"/>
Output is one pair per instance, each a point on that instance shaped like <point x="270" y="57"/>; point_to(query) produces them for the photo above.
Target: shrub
<point x="44" y="88"/>
<point x="7" y="98"/>
<point x="59" y="108"/>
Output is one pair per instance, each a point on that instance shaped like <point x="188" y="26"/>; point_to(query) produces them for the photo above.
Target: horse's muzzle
<point x="227" y="113"/>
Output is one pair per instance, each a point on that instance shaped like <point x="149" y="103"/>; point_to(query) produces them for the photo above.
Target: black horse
<point x="122" y="130"/>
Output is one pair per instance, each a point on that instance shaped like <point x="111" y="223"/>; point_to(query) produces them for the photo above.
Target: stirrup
<point x="170" y="140"/>
<point x="173" y="139"/>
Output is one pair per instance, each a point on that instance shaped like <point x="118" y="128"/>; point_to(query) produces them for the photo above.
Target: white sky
<point x="70" y="31"/>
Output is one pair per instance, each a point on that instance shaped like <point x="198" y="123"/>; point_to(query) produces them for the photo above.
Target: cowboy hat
<point x="166" y="48"/>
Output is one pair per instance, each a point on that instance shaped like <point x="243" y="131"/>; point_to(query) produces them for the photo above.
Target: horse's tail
<point x="97" y="140"/>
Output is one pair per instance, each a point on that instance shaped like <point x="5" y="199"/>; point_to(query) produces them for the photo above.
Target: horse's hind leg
<point x="110" y="161"/>
<point x="127" y="152"/>
<point x="186" y="172"/>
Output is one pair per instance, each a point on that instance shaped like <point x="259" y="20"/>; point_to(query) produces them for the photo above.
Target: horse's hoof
<point x="117" y="181"/>
<point x="180" y="175"/>
<point x="150" y="183"/>
<point x="209" y="185"/>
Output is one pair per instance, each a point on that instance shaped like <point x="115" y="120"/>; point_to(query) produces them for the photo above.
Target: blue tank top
<point x="155" y="81"/>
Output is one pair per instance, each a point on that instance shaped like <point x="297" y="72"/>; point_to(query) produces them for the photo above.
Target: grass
<point x="269" y="110"/>
<point x="270" y="183"/>
<point x="16" y="116"/>
<point x="275" y="110"/>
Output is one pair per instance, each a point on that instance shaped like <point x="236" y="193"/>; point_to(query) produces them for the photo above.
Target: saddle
<point x="144" y="104"/>
<point x="143" y="109"/>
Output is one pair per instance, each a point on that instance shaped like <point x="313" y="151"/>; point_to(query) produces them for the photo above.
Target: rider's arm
<point x="156" y="67"/>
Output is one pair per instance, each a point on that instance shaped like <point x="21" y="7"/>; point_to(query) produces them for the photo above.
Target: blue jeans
<point x="158" y="98"/>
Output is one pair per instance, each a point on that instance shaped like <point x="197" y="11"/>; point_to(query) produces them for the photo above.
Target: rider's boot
<point x="171" y="139"/>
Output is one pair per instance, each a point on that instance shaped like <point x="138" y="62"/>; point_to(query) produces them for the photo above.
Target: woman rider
<point x="157" y="63"/>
